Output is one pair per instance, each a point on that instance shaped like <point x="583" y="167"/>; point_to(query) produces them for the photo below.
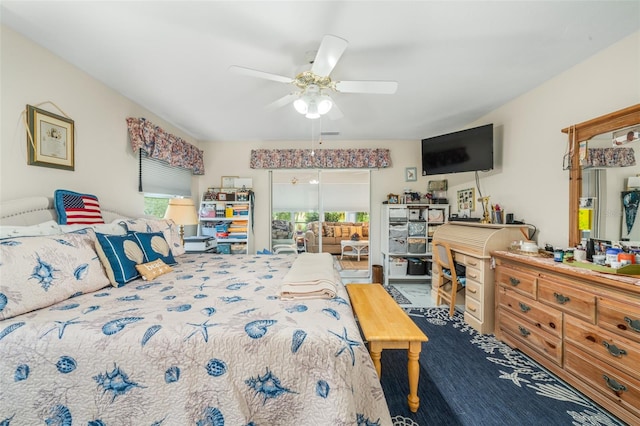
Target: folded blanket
<point x="312" y="275"/>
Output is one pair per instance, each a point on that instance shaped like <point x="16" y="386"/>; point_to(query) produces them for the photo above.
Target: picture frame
<point x="228" y="181"/>
<point x="410" y="174"/>
<point x="393" y="198"/>
<point x="50" y="139"/>
<point x="466" y="199"/>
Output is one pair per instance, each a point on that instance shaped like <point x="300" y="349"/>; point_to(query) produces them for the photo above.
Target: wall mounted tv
<point x="468" y="150"/>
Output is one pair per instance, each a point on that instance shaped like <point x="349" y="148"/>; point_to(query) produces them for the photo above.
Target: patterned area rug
<point x="352" y="263"/>
<point x="467" y="378"/>
<point x="397" y="295"/>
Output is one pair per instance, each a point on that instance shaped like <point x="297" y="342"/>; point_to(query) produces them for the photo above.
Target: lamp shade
<point x="182" y="211"/>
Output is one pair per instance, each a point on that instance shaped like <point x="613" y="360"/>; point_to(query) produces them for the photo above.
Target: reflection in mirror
<point x="608" y="204"/>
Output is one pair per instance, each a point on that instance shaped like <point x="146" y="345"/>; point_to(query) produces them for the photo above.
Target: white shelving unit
<point x="407" y="230"/>
<point x="235" y="216"/>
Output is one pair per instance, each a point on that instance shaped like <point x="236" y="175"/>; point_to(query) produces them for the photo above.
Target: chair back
<point x="444" y="258"/>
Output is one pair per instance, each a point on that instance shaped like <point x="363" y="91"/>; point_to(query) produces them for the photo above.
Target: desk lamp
<point x="183" y="212"/>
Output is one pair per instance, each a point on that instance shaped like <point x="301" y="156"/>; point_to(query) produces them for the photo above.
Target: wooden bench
<point x="386" y="326"/>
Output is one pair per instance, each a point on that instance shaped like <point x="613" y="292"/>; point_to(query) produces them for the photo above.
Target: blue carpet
<point x="467" y="378"/>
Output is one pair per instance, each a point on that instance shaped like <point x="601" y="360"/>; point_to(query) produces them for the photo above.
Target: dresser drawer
<point x="517" y="280"/>
<point x="544" y="343"/>
<point x="541" y="316"/>
<point x="619" y="317"/>
<point x="473" y="274"/>
<point x="611" y="383"/>
<point x="621" y="353"/>
<point x="567" y="298"/>
<point x="473" y="290"/>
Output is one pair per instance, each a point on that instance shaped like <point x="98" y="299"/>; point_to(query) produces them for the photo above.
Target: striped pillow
<point x="75" y="208"/>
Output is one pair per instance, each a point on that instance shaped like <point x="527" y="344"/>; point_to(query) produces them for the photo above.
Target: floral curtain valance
<point x="320" y="159"/>
<point x="610" y="157"/>
<point x="164" y="146"/>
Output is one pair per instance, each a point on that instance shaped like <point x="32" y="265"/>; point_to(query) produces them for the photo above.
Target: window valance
<point x="320" y="159"/>
<point x="610" y="157"/>
<point x="161" y="145"/>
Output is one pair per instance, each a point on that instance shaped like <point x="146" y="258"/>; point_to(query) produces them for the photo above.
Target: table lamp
<point x="183" y="212"/>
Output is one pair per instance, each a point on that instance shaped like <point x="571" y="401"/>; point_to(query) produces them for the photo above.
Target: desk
<point x="356" y="247"/>
<point x="386" y="326"/>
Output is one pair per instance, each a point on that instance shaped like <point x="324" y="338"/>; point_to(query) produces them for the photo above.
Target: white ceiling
<point x="454" y="61"/>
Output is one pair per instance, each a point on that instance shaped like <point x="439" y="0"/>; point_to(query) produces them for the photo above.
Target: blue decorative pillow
<point x="119" y="255"/>
<point x="75" y="208"/>
<point x="155" y="246"/>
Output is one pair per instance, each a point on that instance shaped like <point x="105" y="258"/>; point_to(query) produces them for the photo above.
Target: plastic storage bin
<point x="397" y="267"/>
<point x="224" y="248"/>
<point x="416" y="266"/>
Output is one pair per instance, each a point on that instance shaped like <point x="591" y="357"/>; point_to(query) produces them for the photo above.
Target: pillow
<point x="113" y="228"/>
<point x="337" y="231"/>
<point x="168" y="227"/>
<point x="40" y="271"/>
<point x="119" y="255"/>
<point x="50" y="227"/>
<point x="154" y="246"/>
<point x="73" y="207"/>
<point x="154" y="269"/>
<point x="355" y="230"/>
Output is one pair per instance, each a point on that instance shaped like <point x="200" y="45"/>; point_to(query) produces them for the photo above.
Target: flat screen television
<point x="467" y="150"/>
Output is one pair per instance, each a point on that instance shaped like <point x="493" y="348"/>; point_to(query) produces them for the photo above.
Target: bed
<point x="209" y="343"/>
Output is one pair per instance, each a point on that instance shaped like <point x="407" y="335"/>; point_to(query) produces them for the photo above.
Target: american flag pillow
<point x="74" y="208"/>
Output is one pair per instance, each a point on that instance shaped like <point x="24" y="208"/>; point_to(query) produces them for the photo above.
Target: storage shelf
<point x="224" y="219"/>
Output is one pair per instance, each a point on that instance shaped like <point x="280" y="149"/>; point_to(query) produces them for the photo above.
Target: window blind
<point x="158" y="177"/>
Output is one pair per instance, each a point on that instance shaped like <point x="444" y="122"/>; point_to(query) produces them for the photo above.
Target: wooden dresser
<point x="472" y="244"/>
<point x="584" y="326"/>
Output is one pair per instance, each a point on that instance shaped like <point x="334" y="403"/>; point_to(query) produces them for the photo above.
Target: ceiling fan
<point x="312" y="99"/>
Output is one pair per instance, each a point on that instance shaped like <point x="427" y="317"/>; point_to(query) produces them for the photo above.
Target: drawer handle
<point x="471" y="309"/>
<point x="514" y="281"/>
<point x="523" y="307"/>
<point x="472" y="290"/>
<point x="524" y="331"/>
<point x="614" y="350"/>
<point x="472" y="276"/>
<point x="634" y="324"/>
<point x="561" y="299"/>
<point x="613" y="385"/>
<point x="472" y="263"/>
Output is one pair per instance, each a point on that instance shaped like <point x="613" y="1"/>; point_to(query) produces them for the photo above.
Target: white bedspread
<point x="312" y="275"/>
<point x="211" y="343"/>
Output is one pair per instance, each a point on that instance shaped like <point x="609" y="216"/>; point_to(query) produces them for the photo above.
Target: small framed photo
<point x="466" y="199"/>
<point x="393" y="198"/>
<point x="228" y="181"/>
<point x="410" y="174"/>
<point x="50" y="139"/>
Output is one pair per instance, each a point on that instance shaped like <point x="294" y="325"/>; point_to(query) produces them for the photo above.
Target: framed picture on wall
<point x="410" y="174"/>
<point x="50" y="139"/>
<point x="466" y="199"/>
<point x="228" y="181"/>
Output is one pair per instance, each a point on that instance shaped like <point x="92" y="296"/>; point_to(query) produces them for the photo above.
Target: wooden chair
<point x="450" y="282"/>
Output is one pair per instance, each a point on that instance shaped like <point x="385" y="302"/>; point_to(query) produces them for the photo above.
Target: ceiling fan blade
<point x="377" y="87"/>
<point x="330" y="51"/>
<point x="287" y="99"/>
<point x="260" y="74"/>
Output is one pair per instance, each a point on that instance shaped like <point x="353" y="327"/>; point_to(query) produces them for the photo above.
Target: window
<point x="160" y="182"/>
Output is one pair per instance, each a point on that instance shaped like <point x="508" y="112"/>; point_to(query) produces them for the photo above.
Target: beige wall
<point x="104" y="162"/>
<point x="528" y="180"/>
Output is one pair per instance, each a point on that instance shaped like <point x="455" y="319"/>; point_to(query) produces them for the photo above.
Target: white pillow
<point x="40" y="271"/>
<point x="45" y="228"/>
<point x="113" y="228"/>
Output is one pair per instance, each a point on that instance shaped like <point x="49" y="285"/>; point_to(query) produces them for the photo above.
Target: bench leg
<point x="375" y="350"/>
<point x="413" y="367"/>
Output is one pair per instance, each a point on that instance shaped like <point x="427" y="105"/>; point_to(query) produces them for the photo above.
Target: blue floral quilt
<point x="210" y="343"/>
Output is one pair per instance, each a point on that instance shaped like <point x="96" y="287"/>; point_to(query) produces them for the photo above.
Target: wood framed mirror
<point x="577" y="133"/>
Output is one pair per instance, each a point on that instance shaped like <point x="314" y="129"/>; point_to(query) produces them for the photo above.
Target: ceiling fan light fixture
<point x="324" y="104"/>
<point x="312" y="110"/>
<point x="301" y="105"/>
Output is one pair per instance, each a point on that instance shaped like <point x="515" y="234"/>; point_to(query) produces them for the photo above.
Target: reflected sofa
<point x="332" y="233"/>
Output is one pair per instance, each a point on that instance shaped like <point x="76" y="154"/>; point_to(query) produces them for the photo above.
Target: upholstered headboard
<point x="35" y="210"/>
